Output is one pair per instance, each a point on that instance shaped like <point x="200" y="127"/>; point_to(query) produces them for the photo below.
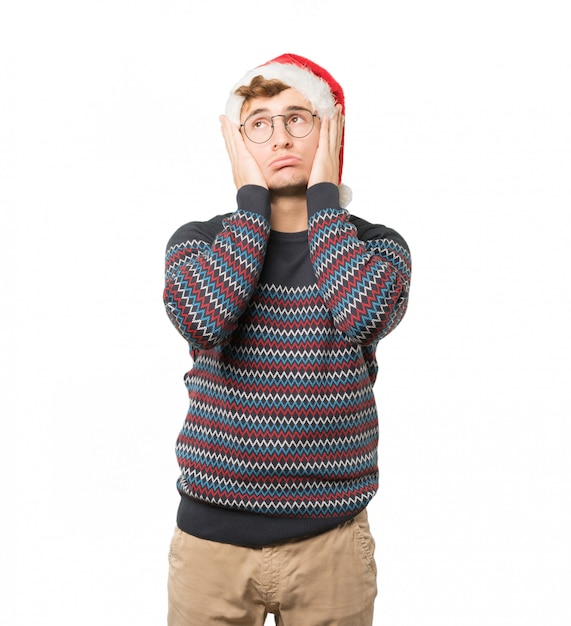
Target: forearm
<point x="208" y="284"/>
<point x="364" y="284"/>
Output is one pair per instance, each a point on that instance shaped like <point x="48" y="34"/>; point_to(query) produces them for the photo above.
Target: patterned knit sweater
<point x="280" y="439"/>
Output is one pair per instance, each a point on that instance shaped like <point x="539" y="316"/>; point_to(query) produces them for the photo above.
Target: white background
<point x="458" y="135"/>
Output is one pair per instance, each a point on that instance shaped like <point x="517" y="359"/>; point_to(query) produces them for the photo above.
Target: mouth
<point x="285" y="161"/>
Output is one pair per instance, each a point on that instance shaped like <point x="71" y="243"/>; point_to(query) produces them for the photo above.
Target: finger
<point x="324" y="132"/>
<point x="233" y="140"/>
<point x="226" y="134"/>
<point x="337" y="132"/>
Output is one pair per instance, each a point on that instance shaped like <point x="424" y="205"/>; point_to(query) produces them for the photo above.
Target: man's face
<point x="285" y="161"/>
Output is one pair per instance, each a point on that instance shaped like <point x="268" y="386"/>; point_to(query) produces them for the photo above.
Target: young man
<point x="282" y="303"/>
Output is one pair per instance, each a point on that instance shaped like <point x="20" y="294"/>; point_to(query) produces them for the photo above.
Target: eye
<point x="259" y="123"/>
<point x="298" y="119"/>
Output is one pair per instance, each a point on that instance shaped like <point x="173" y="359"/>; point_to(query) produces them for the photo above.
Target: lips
<point x="285" y="161"/>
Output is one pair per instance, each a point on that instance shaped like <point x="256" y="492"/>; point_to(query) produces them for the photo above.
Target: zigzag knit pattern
<point x="208" y="286"/>
<point x="282" y="419"/>
<point x="365" y="284"/>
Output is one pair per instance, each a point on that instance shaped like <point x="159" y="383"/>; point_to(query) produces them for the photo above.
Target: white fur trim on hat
<point x="315" y="89"/>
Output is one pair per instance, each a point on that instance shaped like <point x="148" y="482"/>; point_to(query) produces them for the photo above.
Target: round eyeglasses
<point x="259" y="127"/>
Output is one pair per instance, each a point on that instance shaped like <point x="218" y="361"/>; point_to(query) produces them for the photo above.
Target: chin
<point x="289" y="191"/>
<point x="293" y="186"/>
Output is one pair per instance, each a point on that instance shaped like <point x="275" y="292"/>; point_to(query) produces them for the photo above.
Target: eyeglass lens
<point x="259" y="128"/>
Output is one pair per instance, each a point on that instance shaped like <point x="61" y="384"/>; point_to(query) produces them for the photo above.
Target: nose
<point x="280" y="136"/>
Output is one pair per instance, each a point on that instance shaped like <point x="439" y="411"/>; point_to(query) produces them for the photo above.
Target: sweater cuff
<point x="255" y="199"/>
<point x="322" y="196"/>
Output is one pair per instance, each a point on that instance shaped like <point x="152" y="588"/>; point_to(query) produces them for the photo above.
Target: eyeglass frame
<point x="284" y="115"/>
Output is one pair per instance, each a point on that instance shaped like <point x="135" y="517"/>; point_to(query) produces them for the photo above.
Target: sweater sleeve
<point x="210" y="276"/>
<point x="363" y="274"/>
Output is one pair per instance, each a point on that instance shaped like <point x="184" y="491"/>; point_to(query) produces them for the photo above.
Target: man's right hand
<point x="245" y="170"/>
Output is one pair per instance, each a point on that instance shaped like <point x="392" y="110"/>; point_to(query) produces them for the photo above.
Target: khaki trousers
<point x="326" y="580"/>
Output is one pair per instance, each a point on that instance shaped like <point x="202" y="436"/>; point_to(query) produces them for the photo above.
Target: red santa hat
<point x="312" y="81"/>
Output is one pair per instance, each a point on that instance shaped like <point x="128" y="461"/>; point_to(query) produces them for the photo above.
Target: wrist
<point x="322" y="195"/>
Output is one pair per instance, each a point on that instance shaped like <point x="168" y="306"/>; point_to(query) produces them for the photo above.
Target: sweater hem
<point x="243" y="528"/>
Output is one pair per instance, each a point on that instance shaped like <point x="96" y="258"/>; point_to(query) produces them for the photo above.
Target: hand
<point x="325" y="167"/>
<point x="245" y="170"/>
